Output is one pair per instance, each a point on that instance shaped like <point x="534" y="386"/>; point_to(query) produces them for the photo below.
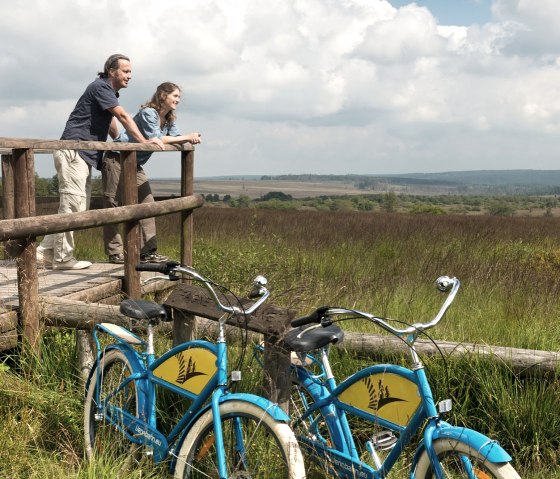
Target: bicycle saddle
<point x="142" y="309"/>
<point x="312" y="339"/>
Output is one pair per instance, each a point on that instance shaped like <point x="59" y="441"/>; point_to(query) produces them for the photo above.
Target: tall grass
<point x="378" y="262"/>
<point x="386" y="263"/>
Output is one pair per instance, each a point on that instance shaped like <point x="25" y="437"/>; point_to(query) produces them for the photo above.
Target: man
<point x="93" y="119"/>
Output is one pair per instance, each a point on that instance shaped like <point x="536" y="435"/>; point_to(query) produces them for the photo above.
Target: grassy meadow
<point x="384" y="263"/>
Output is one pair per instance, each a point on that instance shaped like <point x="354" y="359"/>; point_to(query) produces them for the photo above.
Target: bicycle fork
<point x="216" y="397"/>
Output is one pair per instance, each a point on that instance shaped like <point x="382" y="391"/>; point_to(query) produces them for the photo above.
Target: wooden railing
<point x="21" y="226"/>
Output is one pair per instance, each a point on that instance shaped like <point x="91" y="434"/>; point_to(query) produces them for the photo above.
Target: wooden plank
<point x="98" y="292"/>
<point x="8" y="340"/>
<point x="57" y="283"/>
<point x="91" y="284"/>
<point x="51" y="145"/>
<point x="8" y="322"/>
<point x="519" y="359"/>
<point x="57" y="223"/>
<point x="69" y="313"/>
<point x="101" y="283"/>
<point x="268" y="319"/>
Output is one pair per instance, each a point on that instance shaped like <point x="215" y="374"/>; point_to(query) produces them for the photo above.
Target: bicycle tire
<point x="274" y="453"/>
<point x="103" y="439"/>
<point x="450" y="452"/>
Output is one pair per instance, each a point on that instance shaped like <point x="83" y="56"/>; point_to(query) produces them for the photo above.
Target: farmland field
<point x="256" y="188"/>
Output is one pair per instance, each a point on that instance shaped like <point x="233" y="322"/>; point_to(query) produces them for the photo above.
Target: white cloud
<point x="538" y="21"/>
<point x="297" y="85"/>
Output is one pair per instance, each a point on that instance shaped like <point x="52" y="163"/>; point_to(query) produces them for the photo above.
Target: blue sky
<point x="455" y="12"/>
<point x="303" y="86"/>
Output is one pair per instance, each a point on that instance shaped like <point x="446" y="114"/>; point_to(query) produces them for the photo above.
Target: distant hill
<point x="451" y="178"/>
<point x="469" y="182"/>
<point x="493" y="177"/>
<point x="479" y="182"/>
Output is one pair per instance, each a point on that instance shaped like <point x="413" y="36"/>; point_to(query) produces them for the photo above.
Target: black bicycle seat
<point x="142" y="309"/>
<point x="313" y="339"/>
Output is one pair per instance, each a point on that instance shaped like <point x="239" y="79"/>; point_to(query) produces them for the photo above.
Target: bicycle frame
<point x="196" y="370"/>
<point x="386" y="396"/>
<point x="343" y="453"/>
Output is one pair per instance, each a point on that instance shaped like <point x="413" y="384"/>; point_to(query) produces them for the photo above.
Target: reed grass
<point x="378" y="262"/>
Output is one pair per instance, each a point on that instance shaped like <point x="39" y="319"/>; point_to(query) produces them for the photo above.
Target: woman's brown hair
<point x="156" y="102"/>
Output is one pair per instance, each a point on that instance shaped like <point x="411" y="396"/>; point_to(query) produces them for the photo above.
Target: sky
<point x="303" y="86"/>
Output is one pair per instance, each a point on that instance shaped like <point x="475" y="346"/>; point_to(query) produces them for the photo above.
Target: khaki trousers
<point x="112" y="197"/>
<point x="74" y="186"/>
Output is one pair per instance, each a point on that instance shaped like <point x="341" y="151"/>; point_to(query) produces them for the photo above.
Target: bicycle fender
<point x="489" y="448"/>
<point x="272" y="409"/>
<point x="130" y="354"/>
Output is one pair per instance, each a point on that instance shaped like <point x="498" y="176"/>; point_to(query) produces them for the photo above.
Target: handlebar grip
<point x="163" y="268"/>
<point x="255" y="293"/>
<point x="314" y="317"/>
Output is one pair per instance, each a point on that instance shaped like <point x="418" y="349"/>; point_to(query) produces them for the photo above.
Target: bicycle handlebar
<point x="173" y="270"/>
<point x="322" y="314"/>
<point x="313" y="317"/>
<point x="164" y="268"/>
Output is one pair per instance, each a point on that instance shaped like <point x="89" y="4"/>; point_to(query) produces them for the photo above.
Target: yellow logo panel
<point x="388" y="396"/>
<point x="190" y="369"/>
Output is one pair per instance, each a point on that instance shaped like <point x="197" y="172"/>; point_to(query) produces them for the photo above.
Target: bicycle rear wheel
<point x="255" y="445"/>
<point x="102" y="438"/>
<point x="459" y="460"/>
<point x="311" y="433"/>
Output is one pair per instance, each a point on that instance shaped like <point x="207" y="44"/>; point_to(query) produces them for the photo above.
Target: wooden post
<point x="277" y="378"/>
<point x="269" y="320"/>
<point x="131" y="239"/>
<point x="28" y="281"/>
<point x="8" y="205"/>
<point x="187" y="189"/>
<point x="184" y="324"/>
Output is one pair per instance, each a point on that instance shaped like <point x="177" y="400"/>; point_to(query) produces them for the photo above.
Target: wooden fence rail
<point x="21" y="226"/>
<point x="57" y="223"/>
<point x="519" y="360"/>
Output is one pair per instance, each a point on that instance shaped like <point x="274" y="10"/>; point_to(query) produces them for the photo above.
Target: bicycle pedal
<point x="383" y="440"/>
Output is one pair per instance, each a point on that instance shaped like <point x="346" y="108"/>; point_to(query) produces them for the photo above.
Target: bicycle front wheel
<point x="458" y="460"/>
<point x="102" y="438"/>
<point x="255" y="446"/>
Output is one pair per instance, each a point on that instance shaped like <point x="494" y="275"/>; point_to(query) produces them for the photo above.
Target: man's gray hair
<point x="112" y="63"/>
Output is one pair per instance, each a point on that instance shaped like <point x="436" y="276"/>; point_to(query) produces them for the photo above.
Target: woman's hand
<point x="194" y="138"/>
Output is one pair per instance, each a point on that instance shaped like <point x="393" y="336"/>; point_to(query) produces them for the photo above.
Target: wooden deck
<point x="71" y="284"/>
<point x="101" y="282"/>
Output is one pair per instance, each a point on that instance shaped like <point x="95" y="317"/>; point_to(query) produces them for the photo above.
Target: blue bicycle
<point x="360" y="427"/>
<point x="221" y="434"/>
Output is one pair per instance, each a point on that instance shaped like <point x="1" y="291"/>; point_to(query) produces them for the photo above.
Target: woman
<point x="156" y="119"/>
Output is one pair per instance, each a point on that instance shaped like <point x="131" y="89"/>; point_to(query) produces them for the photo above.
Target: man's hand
<point x="158" y="142"/>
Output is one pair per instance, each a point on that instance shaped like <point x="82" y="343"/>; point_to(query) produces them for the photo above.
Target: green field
<point x="385" y="263"/>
